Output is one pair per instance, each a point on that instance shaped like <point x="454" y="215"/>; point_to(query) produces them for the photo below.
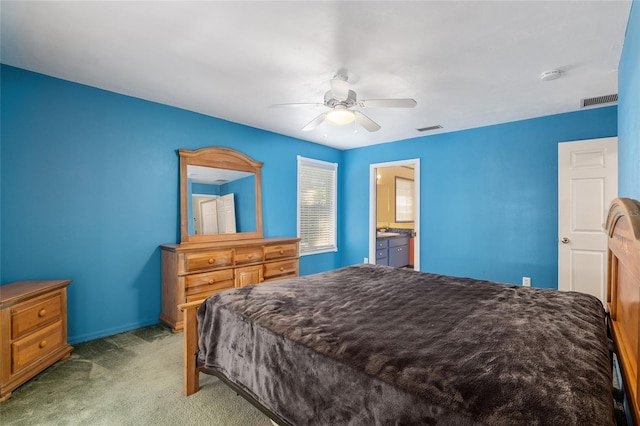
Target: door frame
<point x="373" y="207"/>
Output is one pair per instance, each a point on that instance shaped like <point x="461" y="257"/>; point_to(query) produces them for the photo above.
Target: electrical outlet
<point x="526" y="282"/>
<point x="366" y="260"/>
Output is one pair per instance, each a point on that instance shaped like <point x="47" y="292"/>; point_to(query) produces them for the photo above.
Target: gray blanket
<point x="374" y="345"/>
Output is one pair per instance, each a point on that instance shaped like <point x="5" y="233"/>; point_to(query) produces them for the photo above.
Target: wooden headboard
<point x="623" y="292"/>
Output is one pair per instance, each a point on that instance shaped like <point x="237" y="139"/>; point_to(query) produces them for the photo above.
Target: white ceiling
<point x="467" y="64"/>
<point x="213" y="176"/>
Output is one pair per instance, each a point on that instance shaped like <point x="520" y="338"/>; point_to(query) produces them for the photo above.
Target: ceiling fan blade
<point x="366" y="122"/>
<point x="387" y="103"/>
<point x="302" y="105"/>
<point x="339" y="89"/>
<point x="315" y="122"/>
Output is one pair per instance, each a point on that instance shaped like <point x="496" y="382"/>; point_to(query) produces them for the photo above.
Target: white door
<point x="209" y="217"/>
<point x="587" y="183"/>
<point x="226" y="214"/>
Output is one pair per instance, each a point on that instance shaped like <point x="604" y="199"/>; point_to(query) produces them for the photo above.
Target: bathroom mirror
<point x="220" y="195"/>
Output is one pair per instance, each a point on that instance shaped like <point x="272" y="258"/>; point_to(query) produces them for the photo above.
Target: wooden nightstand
<point x="33" y="330"/>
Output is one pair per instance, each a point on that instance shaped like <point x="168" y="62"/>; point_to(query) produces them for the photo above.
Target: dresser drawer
<point x="30" y="315"/>
<point x="35" y="346"/>
<point x="248" y="255"/>
<point x="198" y="283"/>
<point x="208" y="260"/>
<point x="285" y="267"/>
<point x="280" y="251"/>
<point x="209" y="292"/>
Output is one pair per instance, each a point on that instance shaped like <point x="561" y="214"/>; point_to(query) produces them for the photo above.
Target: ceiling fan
<point x="340" y="99"/>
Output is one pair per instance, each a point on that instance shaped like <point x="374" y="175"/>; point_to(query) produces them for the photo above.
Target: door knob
<point x="564" y="240"/>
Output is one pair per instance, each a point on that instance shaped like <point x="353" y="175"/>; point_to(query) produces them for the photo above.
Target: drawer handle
<point x="281" y="251"/>
<point x="211" y="260"/>
<point x="42" y="312"/>
<point x="43" y="344"/>
<point x="250" y="256"/>
<point x="281" y="268"/>
<point x="211" y="281"/>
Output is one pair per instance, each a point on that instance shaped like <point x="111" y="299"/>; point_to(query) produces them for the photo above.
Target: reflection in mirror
<point x="220" y="196"/>
<point x="221" y="201"/>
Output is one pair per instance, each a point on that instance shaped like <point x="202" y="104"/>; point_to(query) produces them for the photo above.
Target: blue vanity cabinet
<point x="398" y="252"/>
<point x="382" y="252"/>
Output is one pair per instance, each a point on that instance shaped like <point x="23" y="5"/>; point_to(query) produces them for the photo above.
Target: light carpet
<point x="132" y="378"/>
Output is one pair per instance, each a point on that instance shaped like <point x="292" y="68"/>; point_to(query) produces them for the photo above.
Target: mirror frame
<point x="220" y="158"/>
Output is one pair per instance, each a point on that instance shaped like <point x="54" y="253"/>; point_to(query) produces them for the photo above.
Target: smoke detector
<point x="550" y="75"/>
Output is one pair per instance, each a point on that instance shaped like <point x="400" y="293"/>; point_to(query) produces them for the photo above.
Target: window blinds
<point x="317" y="205"/>
<point x="404" y="200"/>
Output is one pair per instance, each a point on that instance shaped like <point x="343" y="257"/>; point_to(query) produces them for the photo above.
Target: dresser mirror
<point x="220" y="195"/>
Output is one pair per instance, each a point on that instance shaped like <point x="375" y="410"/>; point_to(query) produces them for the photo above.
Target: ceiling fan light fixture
<point x="340" y="115"/>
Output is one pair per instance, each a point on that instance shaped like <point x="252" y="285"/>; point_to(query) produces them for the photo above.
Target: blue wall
<point x="70" y="153"/>
<point x="629" y="108"/>
<point x="488" y="196"/>
<point x="202" y="188"/>
<point x="89" y="182"/>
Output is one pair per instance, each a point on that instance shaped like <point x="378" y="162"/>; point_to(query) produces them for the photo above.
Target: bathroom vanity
<point x="392" y="249"/>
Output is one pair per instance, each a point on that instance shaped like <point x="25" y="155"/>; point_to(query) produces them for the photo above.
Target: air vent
<point x="426" y="129"/>
<point x="599" y="100"/>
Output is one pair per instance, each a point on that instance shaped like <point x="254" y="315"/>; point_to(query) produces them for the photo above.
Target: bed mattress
<point x="374" y="345"/>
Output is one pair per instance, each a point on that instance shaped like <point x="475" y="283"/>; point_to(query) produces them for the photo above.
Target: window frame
<point x="411" y="188"/>
<point x="325" y="165"/>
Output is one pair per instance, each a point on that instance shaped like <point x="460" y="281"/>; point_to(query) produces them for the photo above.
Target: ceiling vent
<point x="599" y="100"/>
<point x="426" y="129"/>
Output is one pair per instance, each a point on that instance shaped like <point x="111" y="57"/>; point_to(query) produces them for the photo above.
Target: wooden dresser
<point x="33" y="330"/>
<point x="194" y="271"/>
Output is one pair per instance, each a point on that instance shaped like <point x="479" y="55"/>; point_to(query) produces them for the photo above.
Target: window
<point x="317" y="206"/>
<point x="404" y="200"/>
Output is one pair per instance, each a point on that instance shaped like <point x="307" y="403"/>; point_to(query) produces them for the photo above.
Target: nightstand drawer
<point x="286" y="267"/>
<point x="36" y="345"/>
<point x="280" y="251"/>
<point x="33" y="331"/>
<point x="30" y="315"/>
<point x="208" y="282"/>
<point x="208" y="260"/>
<point x="248" y="255"/>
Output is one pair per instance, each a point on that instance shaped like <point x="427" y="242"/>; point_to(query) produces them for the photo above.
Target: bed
<point x="371" y="345"/>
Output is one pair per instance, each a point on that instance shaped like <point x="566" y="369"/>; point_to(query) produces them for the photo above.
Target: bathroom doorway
<point x="394" y="213"/>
